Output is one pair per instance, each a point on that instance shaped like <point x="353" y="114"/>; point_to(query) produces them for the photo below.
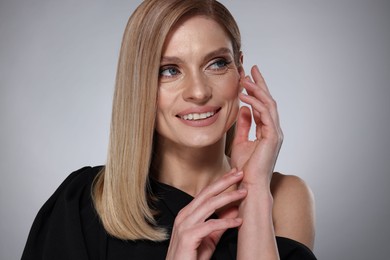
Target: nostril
<point x="198" y="96"/>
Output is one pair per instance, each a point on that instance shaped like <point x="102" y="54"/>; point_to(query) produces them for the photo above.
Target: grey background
<point x="326" y="62"/>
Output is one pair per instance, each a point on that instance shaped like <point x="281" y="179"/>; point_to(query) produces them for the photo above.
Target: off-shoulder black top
<point x="68" y="227"/>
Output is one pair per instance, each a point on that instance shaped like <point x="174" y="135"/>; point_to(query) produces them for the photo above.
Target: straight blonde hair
<point x="121" y="191"/>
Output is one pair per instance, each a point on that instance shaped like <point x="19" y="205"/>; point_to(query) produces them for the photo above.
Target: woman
<point x="182" y="180"/>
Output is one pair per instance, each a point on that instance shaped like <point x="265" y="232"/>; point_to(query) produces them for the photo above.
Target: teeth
<point x="197" y="116"/>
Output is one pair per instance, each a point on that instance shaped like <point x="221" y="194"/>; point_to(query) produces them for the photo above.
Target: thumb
<point x="208" y="245"/>
<point x="243" y="125"/>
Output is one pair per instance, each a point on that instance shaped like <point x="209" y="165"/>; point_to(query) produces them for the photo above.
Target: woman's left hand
<point x="257" y="158"/>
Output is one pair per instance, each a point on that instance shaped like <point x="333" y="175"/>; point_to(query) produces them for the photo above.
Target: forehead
<point x="196" y="34"/>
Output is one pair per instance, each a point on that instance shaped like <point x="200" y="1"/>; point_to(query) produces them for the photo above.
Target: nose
<point x="196" y="89"/>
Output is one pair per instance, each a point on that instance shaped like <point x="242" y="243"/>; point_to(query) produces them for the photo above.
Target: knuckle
<point x="231" y="196"/>
<point x="212" y="223"/>
<point x="273" y="103"/>
<point x="281" y="136"/>
<point x="275" y="138"/>
<point x="207" y="189"/>
<point x="181" y="216"/>
<point x="180" y="229"/>
<point x="257" y="92"/>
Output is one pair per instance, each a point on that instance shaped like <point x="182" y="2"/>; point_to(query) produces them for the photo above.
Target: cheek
<point x="164" y="100"/>
<point x="230" y="88"/>
<point x="162" y="107"/>
<point x="232" y="91"/>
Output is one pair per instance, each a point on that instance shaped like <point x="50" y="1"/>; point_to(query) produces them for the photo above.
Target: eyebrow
<point x="177" y="60"/>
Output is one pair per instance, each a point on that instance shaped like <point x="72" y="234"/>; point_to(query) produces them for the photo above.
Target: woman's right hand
<point x="194" y="236"/>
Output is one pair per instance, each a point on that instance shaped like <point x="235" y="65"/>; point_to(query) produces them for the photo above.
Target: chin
<point x="202" y="141"/>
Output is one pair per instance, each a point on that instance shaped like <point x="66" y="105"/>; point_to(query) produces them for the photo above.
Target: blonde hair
<point x="121" y="191"/>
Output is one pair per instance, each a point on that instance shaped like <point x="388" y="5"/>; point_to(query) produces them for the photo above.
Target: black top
<point x="68" y="227"/>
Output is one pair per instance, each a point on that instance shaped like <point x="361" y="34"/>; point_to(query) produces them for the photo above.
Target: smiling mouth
<point x="198" y="116"/>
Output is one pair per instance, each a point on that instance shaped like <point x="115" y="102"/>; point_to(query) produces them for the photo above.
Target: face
<point x="198" y="84"/>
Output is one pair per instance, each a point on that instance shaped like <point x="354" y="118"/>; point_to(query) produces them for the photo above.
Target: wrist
<point x="257" y="199"/>
<point x="258" y="187"/>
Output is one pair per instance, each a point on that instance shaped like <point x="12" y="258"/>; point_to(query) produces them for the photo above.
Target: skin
<point x="195" y="76"/>
<point x="198" y="74"/>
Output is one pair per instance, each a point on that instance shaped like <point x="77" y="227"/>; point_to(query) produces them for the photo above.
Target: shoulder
<point x="75" y="189"/>
<point x="293" y="211"/>
<point x="75" y="184"/>
<point x="82" y="175"/>
<point x="64" y="219"/>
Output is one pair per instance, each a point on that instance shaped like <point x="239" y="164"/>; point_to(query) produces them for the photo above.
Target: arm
<point x="256" y="238"/>
<point x="293" y="215"/>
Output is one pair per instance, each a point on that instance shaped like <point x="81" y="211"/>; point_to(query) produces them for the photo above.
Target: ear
<point x="241" y="58"/>
<point x="241" y="70"/>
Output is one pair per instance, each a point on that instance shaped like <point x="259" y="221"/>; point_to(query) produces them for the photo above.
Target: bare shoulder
<point x="293" y="211"/>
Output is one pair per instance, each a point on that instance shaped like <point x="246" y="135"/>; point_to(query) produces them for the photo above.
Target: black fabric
<point x="67" y="227"/>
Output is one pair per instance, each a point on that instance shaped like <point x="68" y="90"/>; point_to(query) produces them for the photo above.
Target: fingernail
<point x="242" y="190"/>
<point x="239" y="173"/>
<point x="238" y="220"/>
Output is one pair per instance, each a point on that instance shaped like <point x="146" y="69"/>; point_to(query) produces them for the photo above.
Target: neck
<point x="189" y="169"/>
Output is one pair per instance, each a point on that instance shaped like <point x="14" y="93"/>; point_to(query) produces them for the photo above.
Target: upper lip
<point x="198" y="110"/>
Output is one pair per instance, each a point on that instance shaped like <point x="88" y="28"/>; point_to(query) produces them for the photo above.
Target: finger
<point x="259" y="86"/>
<point x="229" y="179"/>
<point x="245" y="81"/>
<point x="259" y="107"/>
<point x="258" y="78"/>
<point x="195" y="237"/>
<point x="220" y="185"/>
<point x="243" y="125"/>
<point x="265" y="98"/>
<point x="207" y="228"/>
<point x="230" y="212"/>
<point x="265" y="125"/>
<point x="254" y="90"/>
<point x="207" y="247"/>
<point x="271" y="103"/>
<point x="257" y="82"/>
<point x="205" y="210"/>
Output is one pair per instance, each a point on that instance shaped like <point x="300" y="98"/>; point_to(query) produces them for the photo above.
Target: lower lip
<point x="202" y="122"/>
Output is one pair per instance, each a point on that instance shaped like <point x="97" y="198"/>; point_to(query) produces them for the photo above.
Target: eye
<point x="168" y="72"/>
<point x="220" y="64"/>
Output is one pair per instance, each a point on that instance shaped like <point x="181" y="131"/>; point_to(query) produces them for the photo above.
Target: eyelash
<point x="224" y="61"/>
<point x="167" y="68"/>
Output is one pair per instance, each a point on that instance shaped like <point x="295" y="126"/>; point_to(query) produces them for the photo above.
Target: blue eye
<point x="169" y="72"/>
<point x="219" y="64"/>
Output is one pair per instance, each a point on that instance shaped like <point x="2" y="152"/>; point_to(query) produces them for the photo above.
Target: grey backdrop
<point x="326" y="62"/>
